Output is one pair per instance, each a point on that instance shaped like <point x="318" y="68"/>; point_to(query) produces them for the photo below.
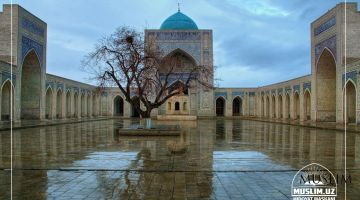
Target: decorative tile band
<point x="32" y="27"/>
<point x="280" y="90"/>
<point x="221" y="94"/>
<point x="307" y="86"/>
<point x="324" y="26"/>
<point x="288" y="89"/>
<point x="251" y="93"/>
<point x="175" y="35"/>
<point x="296" y="88"/>
<point x="329" y="43"/>
<point x="241" y="94"/>
<point x="350" y="75"/>
<point x="7" y="75"/>
<point x="28" y="44"/>
<point x="60" y="85"/>
<point x="49" y="84"/>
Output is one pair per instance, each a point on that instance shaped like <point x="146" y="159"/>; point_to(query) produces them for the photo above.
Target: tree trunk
<point x="146" y="115"/>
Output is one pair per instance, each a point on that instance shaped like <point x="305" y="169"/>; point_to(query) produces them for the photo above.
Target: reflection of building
<point x="318" y="96"/>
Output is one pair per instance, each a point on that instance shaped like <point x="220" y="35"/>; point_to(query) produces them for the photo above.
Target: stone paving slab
<point x="83" y="184"/>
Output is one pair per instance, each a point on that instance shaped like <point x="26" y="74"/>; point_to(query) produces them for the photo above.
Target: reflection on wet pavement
<point x="219" y="159"/>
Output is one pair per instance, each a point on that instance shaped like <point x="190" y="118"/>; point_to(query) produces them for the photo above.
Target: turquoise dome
<point x="178" y="21"/>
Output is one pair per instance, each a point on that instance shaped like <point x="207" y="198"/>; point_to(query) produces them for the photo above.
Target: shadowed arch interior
<point x="68" y="104"/>
<point x="326" y="87"/>
<point x="179" y="60"/>
<point x="6" y="94"/>
<point x="76" y="103"/>
<point x="30" y="86"/>
<point x="59" y="103"/>
<point x="350" y="103"/>
<point x="49" y="103"/>
<point x="118" y="106"/>
<point x="307" y="105"/>
<point x="220" y="106"/>
<point x="267" y="107"/>
<point x="287" y="106"/>
<point x="296" y="106"/>
<point x="280" y="106"/>
<point x="237" y="106"/>
<point x="273" y="113"/>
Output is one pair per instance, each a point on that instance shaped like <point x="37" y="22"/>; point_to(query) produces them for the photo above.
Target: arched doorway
<point x="68" y="104"/>
<point x="7" y="91"/>
<point x="30" y="86"/>
<point x="88" y="105"/>
<point x="76" y="103"/>
<point x="273" y="111"/>
<point x="326" y="87"/>
<point x="95" y="108"/>
<point x="296" y="106"/>
<point x="287" y="106"/>
<point x="118" y="106"/>
<point x="134" y="112"/>
<point x="267" y="106"/>
<point x="49" y="103"/>
<point x="59" y="102"/>
<point x="307" y="105"/>
<point x="237" y="106"/>
<point x="177" y="106"/>
<point x="83" y="105"/>
<point x="262" y="107"/>
<point x="280" y="106"/>
<point x="350" y="102"/>
<point x="220" y="106"/>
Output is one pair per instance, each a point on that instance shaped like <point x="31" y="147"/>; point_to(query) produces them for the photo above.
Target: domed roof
<point x="178" y="21"/>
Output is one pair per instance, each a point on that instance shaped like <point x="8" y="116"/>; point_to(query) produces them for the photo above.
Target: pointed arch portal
<point x="220" y="106"/>
<point x="30" y="86"/>
<point x="326" y="87"/>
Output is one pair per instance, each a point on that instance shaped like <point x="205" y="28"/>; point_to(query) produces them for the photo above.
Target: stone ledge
<point x="148" y="132"/>
<point x="177" y="117"/>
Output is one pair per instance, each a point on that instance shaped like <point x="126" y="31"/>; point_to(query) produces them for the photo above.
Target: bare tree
<point x="141" y="71"/>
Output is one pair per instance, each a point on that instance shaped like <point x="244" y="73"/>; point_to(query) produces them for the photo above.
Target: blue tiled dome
<point x="178" y="21"/>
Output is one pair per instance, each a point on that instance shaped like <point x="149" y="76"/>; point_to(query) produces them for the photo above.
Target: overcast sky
<point x="256" y="42"/>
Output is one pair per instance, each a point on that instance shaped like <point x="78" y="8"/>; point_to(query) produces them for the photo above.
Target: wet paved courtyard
<point x="223" y="159"/>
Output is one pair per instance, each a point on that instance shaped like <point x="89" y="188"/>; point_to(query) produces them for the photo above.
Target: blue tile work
<point x="60" y="85"/>
<point x="329" y="43"/>
<point x="27" y="44"/>
<point x="267" y="92"/>
<point x="237" y="93"/>
<point x="193" y="49"/>
<point x="296" y="88"/>
<point x="7" y="75"/>
<point x="280" y="90"/>
<point x="49" y="83"/>
<point x="251" y="93"/>
<point x="324" y="26"/>
<point x="273" y="92"/>
<point x="68" y="90"/>
<point x="105" y="94"/>
<point x="32" y="27"/>
<point x="176" y="77"/>
<point x="221" y="94"/>
<point x="288" y="90"/>
<point x="350" y="75"/>
<point x="75" y="89"/>
<point x="83" y="91"/>
<point x="307" y="86"/>
<point x="175" y="35"/>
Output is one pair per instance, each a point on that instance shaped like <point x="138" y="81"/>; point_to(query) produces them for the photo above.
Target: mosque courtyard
<point x="223" y="159"/>
<point x="61" y="137"/>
